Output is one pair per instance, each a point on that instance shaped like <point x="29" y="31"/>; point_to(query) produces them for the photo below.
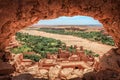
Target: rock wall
<point x="17" y="14"/>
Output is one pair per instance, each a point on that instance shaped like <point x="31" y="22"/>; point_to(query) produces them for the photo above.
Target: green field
<point x="41" y="46"/>
<point x="93" y="36"/>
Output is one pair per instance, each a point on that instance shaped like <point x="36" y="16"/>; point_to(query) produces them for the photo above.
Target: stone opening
<point x="17" y="14"/>
<point x="24" y="13"/>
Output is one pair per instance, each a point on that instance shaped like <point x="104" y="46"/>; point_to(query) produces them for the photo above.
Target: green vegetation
<point x="21" y="49"/>
<point x="94" y="36"/>
<point x="33" y="57"/>
<point x="89" y="52"/>
<point x="37" y="44"/>
<point x="41" y="46"/>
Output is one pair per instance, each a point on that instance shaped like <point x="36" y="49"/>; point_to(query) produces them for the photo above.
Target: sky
<point x="75" y="20"/>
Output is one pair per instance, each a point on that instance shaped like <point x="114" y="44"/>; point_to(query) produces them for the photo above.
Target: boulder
<point x="5" y="77"/>
<point x="78" y="72"/>
<point x="69" y="73"/>
<point x="54" y="72"/>
<point x="23" y="77"/>
<point x="33" y="70"/>
<point x="107" y="75"/>
<point x="110" y="60"/>
<point x="6" y="68"/>
<point x="66" y="73"/>
<point x="72" y="76"/>
<point x="87" y="70"/>
<point x="43" y="73"/>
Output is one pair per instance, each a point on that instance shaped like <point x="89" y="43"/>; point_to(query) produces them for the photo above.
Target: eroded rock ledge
<point x="17" y="14"/>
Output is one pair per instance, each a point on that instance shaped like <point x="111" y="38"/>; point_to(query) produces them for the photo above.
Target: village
<point x="67" y="59"/>
<point x="64" y="64"/>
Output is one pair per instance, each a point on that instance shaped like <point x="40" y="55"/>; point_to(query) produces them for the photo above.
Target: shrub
<point x="94" y="36"/>
<point x="89" y="52"/>
<point x="38" y="44"/>
<point x="21" y="49"/>
<point x="33" y="57"/>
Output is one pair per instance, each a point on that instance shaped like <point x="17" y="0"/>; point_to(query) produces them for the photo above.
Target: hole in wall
<point x="84" y="27"/>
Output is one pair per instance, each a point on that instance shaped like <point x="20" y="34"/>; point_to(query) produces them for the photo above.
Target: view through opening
<point x="62" y="43"/>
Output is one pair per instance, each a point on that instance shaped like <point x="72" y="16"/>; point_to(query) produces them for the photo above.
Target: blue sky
<point x="75" y="20"/>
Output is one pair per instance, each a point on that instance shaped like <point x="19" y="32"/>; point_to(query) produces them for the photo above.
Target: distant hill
<point x="90" y="25"/>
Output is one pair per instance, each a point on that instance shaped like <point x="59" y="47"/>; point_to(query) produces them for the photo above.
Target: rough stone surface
<point x="5" y="77"/>
<point x="107" y="75"/>
<point x="32" y="70"/>
<point x="17" y="14"/>
<point x="23" y="77"/>
<point x="5" y="68"/>
<point x="43" y="73"/>
<point x="66" y="73"/>
<point x="54" y="72"/>
<point x="110" y="61"/>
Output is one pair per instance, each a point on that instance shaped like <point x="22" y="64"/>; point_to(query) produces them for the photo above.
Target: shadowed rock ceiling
<point x="17" y="14"/>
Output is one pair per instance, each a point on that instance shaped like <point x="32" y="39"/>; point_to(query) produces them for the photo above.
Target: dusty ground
<point x="72" y="40"/>
<point x="86" y="28"/>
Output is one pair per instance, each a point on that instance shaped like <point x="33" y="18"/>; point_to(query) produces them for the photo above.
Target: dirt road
<point x="72" y="40"/>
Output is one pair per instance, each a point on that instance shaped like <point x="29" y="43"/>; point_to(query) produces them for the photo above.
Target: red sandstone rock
<point x="5" y="56"/>
<point x="59" y="51"/>
<point x="1" y="55"/>
<point x="24" y="13"/>
<point x="22" y="76"/>
<point x="63" y="54"/>
<point x="66" y="72"/>
<point x="27" y="62"/>
<point x="118" y="51"/>
<point x="111" y="61"/>
<point x="107" y="75"/>
<point x="81" y="48"/>
<point x="5" y="77"/>
<point x="43" y="73"/>
<point x="52" y="56"/>
<point x="54" y="72"/>
<point x="48" y="55"/>
<point x="13" y="43"/>
<point x="67" y="48"/>
<point x="6" y="68"/>
<point x="75" y="46"/>
<point x="74" y="58"/>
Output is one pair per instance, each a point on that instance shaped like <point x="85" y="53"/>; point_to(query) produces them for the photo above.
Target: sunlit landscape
<point x="59" y="39"/>
<point x="61" y="47"/>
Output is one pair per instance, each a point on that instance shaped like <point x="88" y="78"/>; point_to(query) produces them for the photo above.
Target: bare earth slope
<point x="72" y="40"/>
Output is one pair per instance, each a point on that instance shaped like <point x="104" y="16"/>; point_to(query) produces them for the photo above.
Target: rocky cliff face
<point x="17" y="14"/>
